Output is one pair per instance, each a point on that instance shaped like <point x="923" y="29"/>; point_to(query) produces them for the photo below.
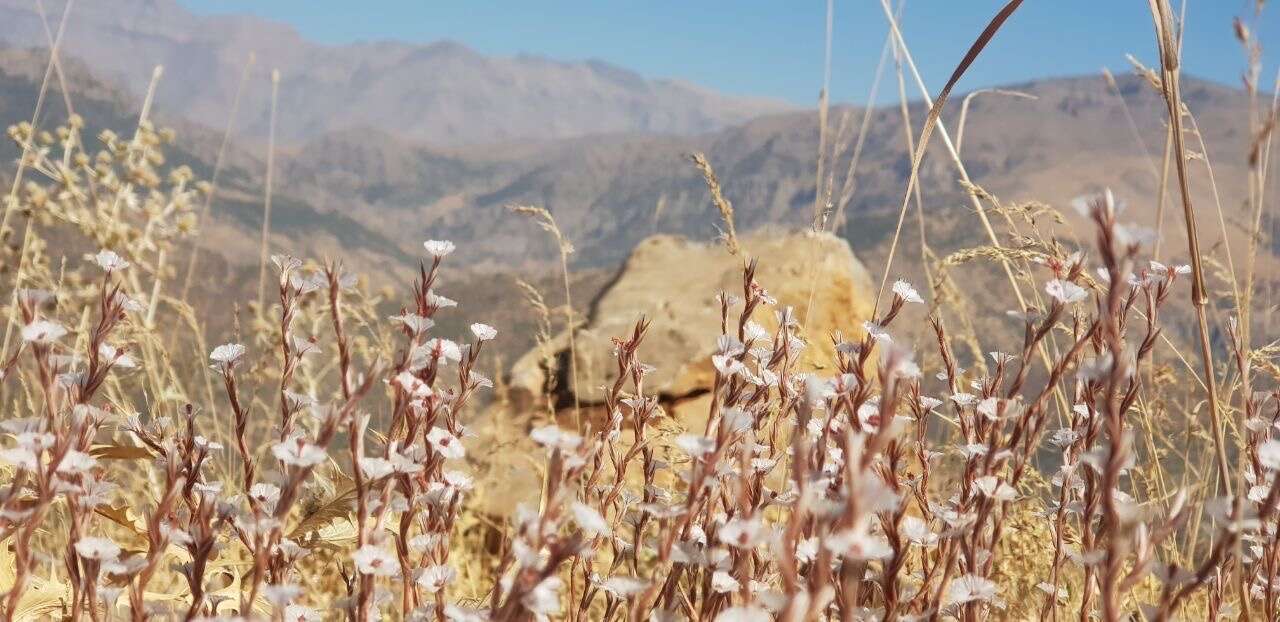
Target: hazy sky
<point x="774" y="48"/>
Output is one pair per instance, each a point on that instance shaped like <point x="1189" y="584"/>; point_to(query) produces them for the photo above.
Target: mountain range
<point x="372" y="161"/>
<point x="442" y="93"/>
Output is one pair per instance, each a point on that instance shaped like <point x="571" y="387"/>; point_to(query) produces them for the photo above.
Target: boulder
<point x="674" y="283"/>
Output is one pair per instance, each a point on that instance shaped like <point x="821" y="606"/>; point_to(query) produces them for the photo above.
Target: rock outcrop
<point x="674" y="283"/>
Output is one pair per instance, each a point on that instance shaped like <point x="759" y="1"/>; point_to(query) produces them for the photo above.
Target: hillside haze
<point x="441" y="93"/>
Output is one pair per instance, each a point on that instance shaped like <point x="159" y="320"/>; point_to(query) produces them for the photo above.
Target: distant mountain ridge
<point x="441" y="93"/>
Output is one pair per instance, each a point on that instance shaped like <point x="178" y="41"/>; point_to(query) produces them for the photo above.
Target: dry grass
<point x="324" y="462"/>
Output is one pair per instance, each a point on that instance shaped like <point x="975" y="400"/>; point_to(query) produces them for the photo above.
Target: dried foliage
<point x="323" y="464"/>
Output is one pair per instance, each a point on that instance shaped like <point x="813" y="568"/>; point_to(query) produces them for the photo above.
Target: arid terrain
<point x="304" y="331"/>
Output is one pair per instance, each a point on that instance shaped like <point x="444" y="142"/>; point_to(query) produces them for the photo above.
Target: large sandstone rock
<point x="674" y="282"/>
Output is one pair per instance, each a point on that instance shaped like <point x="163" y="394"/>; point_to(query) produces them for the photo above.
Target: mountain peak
<point x="442" y="92"/>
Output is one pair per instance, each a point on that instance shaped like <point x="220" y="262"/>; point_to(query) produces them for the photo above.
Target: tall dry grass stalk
<point x="1169" y="51"/>
<point x="564" y="248"/>
<point x="11" y="200"/>
<point x="266" y="191"/>
<point x="722" y="204"/>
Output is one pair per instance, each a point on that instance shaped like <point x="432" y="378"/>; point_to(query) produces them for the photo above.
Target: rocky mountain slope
<point x="372" y="196"/>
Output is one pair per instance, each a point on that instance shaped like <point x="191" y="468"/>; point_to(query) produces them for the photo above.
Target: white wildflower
<point x="694" y="445"/>
<point x="544" y="598"/>
<point x="1269" y="455"/>
<point x="723" y="582"/>
<point x="109" y="261"/>
<point x="970" y="588"/>
<point x="1065" y="292"/>
<point x="373" y="468"/>
<point x="877" y="332"/>
<point x="445" y="443"/>
<point x="744" y="614"/>
<point x="858" y="545"/>
<point x="226" y="355"/>
<point x="20" y="457"/>
<point x="301" y="613"/>
<point x="991" y="486"/>
<point x="97" y="549"/>
<point x="438" y="248"/>
<point x="375" y="560"/>
<point x="443" y="349"/>
<point x="416" y="324"/>
<point x="283" y="594"/>
<point x="74" y="462"/>
<point x="589" y="519"/>
<point x="552" y="437"/>
<point x="906" y="292"/>
<point x="436" y="578"/>
<point x="484" y="332"/>
<point x="623" y="586"/>
<point x="296" y="451"/>
<point x="43" y="331"/>
<point x="743" y="533"/>
<point x="117" y="357"/>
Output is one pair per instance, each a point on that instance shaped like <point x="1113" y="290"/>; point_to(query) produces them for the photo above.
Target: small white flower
<point x="483" y="332"/>
<point x="43" y="331"/>
<point x="590" y="520"/>
<point x="696" y="446"/>
<point x="544" y="599"/>
<point x="457" y="480"/>
<point x="440" y="302"/>
<point x="416" y="324"/>
<point x="226" y="355"/>
<point x="723" y="582"/>
<point x="906" y="292"/>
<point x="1065" y="292"/>
<point x="20" y="457"/>
<point x="445" y="444"/>
<point x="917" y="531"/>
<point x="970" y="588"/>
<point x="858" y="545"/>
<point x="301" y="613"/>
<point x="74" y="462"/>
<point x="443" y="349"/>
<point x="877" y="332"/>
<point x="1269" y="455"/>
<point x="436" y="578"/>
<point x="744" y="614"/>
<point x="97" y="549"/>
<point x="296" y="451"/>
<point x="376" y="561"/>
<point x="438" y="248"/>
<point x="128" y="304"/>
<point x="743" y="533"/>
<point x="457" y="613"/>
<point x="991" y="486"/>
<point x="373" y="468"/>
<point x="117" y="357"/>
<point x="623" y="586"/>
<point x="552" y="437"/>
<point x="110" y="261"/>
<point x="404" y="461"/>
<point x="283" y="594"/>
<point x="266" y="494"/>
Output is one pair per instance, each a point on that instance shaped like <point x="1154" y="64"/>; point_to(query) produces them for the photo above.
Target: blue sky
<point x="774" y="48"/>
